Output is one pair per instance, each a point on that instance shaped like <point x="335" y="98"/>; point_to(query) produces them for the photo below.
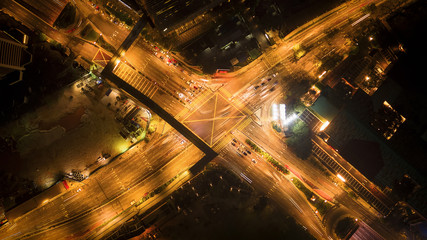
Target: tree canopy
<point x="300" y="141"/>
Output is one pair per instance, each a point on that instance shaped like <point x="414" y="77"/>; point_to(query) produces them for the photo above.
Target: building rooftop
<point x="369" y="161"/>
<point x="325" y="108"/>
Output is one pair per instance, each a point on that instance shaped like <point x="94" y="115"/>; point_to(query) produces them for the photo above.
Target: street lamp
<point x="341" y="177"/>
<point x="324" y="126"/>
<point x="321" y="75"/>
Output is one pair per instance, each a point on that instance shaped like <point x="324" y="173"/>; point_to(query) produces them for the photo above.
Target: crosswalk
<point x="222" y="143"/>
<point x="244" y="124"/>
<point x="136" y="79"/>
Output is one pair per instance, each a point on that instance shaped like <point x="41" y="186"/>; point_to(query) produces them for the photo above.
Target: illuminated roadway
<point x="109" y="185"/>
<point x="111" y="189"/>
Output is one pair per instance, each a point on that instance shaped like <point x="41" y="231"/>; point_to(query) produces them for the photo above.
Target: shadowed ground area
<point x="218" y="205"/>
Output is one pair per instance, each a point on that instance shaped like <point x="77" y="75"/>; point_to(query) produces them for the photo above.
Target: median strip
<point x="268" y="157"/>
<point x="321" y="205"/>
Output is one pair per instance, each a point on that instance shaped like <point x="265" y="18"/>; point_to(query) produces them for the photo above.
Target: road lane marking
<point x="70" y="197"/>
<point x="295" y="204"/>
<point x="246" y="178"/>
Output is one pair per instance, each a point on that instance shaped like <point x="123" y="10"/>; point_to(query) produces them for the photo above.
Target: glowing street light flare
<point x="282" y="111"/>
<point x="290" y="119"/>
<point x="324" y="126"/>
<point x="341" y="177"/>
<point x="321" y="75"/>
<point x="275" y="112"/>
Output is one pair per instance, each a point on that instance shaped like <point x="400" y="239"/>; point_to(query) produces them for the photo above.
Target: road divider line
<point x="295" y="204"/>
<point x="246" y="178"/>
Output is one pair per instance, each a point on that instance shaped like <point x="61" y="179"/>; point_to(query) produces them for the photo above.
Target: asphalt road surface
<point x="108" y="192"/>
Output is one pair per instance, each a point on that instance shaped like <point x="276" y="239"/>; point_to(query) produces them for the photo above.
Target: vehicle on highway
<point x="232" y="143"/>
<point x="256" y="87"/>
<point x="234" y="140"/>
<point x="3" y="222"/>
<point x="248" y="151"/>
<point x="244" y="153"/>
<point x="253" y="160"/>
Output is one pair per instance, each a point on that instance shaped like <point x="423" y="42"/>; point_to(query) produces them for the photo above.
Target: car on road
<point x="3" y="222"/>
<point x="256" y="87"/>
<point x="234" y="140"/>
<point x="232" y="143"/>
<point x="253" y="160"/>
<point x="244" y="153"/>
<point x="248" y="151"/>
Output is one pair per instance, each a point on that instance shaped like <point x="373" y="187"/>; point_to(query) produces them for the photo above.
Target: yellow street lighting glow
<point x="121" y="146"/>
<point x="367" y="78"/>
<point x="341" y="177"/>
<point x="117" y="61"/>
<point x="324" y="126"/>
<point x="321" y="75"/>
